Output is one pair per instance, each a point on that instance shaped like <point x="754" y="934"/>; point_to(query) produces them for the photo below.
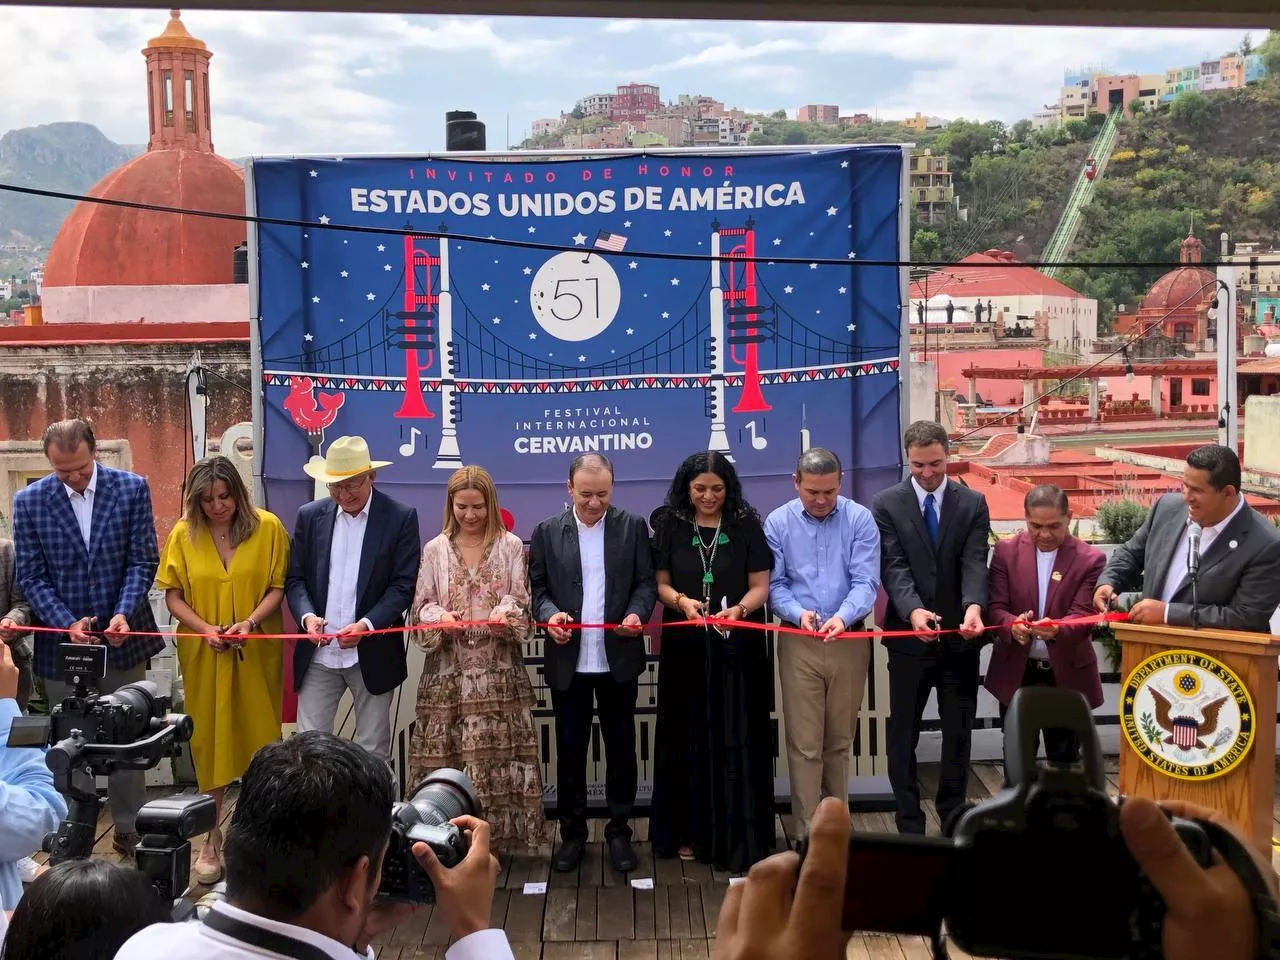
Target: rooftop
<point x="994" y="273"/>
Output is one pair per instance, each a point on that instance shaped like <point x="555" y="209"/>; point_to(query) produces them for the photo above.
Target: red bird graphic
<point x="307" y="413"/>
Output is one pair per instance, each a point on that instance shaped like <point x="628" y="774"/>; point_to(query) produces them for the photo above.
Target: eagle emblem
<point x="1184" y="730"/>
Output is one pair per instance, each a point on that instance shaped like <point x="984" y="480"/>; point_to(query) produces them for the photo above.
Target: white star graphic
<point x="315" y="299"/>
<point x="852" y="327"/>
<point x="484" y="287"/>
<point x="632" y="265"/>
<point x="496" y="321"/>
<point x="630" y="331"/>
<point x="579" y="239"/>
<point x="533" y="229"/>
<point x="844" y="164"/>
<point x="341" y="320"/>
<point x="307" y="337"/>
<point x="832" y="211"/>
<point x="304" y="264"/>
<point x="324" y="219"/>
<point x="788" y="288"/>
<point x="842" y="290"/>
<point x="777" y="241"/>
<point x="343" y="274"/>
<point x="813" y="266"/>
<point x="313" y="173"/>
<point x="582" y="357"/>
<point x="533" y="336"/>
<point x="675" y="281"/>
<point x="817" y="311"/>
<point x="626" y="223"/>
<point x="527" y="271"/>
<point x="666" y="233"/>
<point x="381" y="247"/>
<point x="369" y="296"/>
<point x="852" y="255"/>
<point x="387" y="267"/>
<point x="665" y="315"/>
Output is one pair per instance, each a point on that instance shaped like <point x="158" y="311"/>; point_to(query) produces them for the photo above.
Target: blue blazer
<point x="64" y="580"/>
<point x="384" y="589"/>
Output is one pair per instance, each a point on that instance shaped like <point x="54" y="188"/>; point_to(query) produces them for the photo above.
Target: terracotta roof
<point x="990" y="274"/>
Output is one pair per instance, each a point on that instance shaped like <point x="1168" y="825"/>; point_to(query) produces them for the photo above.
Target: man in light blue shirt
<point x="826" y="571"/>
<point x="29" y="805"/>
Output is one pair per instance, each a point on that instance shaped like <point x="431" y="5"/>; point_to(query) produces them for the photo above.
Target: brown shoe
<point x="123" y="844"/>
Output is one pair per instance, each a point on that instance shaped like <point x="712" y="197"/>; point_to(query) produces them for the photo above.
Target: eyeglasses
<point x="348" y="487"/>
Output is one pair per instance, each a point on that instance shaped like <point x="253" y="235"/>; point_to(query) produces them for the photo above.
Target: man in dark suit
<point x="18" y="615"/>
<point x="593" y="564"/>
<point x="1238" y="583"/>
<point x="86" y="557"/>
<point x="1044" y="574"/>
<point x="933" y="565"/>
<point x="352" y="570"/>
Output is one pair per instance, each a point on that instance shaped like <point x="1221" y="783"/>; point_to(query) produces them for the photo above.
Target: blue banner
<point x="515" y="312"/>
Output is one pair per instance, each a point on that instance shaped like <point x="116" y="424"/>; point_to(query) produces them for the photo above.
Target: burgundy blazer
<point x="1014" y="590"/>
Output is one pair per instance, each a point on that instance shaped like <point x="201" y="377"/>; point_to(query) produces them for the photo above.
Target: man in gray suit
<point x="15" y="614"/>
<point x="1238" y="584"/>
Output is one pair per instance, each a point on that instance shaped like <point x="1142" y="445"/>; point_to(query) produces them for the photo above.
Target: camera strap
<point x="263" y="939"/>
<point x="1241" y="861"/>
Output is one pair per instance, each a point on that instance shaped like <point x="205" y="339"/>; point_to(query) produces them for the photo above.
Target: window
<point x="1199" y="387"/>
<point x="168" y="98"/>
<point x="205" y="79"/>
<point x="151" y="107"/>
<point x="189" y="99"/>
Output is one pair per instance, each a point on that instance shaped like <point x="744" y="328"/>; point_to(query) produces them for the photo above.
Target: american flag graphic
<point x="1185" y="731"/>
<point x="610" y="241"/>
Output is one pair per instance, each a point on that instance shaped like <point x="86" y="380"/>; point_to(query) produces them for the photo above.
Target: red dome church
<point x="124" y="264"/>
<point x="1179" y="302"/>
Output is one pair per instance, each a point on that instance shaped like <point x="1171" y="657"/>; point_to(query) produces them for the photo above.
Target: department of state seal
<point x="1187" y="715"/>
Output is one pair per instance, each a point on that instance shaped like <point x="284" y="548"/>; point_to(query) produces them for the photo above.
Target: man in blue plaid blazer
<point x="86" y="557"/>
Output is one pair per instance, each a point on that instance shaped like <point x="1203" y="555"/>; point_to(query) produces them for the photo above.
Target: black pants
<point x="616" y="704"/>
<point x="1060" y="746"/>
<point x="954" y="673"/>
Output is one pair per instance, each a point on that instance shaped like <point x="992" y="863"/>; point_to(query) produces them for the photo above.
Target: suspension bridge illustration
<point x="733" y="340"/>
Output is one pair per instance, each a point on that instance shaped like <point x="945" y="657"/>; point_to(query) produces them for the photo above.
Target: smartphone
<point x="896" y="883"/>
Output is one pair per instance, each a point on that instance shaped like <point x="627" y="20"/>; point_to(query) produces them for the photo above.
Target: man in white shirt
<point x="304" y="855"/>
<point x="593" y="564"/>
<point x="1236" y="549"/>
<point x="352" y="570"/>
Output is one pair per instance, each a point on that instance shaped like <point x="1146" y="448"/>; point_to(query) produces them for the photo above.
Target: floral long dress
<point x="475" y="698"/>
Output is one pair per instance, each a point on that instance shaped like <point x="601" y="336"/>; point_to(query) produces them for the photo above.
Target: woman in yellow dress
<point x="223" y="571"/>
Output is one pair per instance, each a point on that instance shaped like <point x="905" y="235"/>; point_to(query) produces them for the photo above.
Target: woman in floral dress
<point x="475" y="697"/>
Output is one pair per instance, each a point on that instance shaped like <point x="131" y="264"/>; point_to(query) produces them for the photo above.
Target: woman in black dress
<point x="713" y="752"/>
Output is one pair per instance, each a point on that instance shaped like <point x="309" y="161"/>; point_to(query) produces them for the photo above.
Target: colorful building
<point x="932" y="191"/>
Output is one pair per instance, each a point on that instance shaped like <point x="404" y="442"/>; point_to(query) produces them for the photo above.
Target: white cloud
<point x="623" y="26"/>
<point x="732" y="53"/>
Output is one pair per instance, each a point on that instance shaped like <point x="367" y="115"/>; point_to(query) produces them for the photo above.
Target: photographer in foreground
<point x="304" y="854"/>
<point x="783" y="912"/>
<point x="29" y="805"/>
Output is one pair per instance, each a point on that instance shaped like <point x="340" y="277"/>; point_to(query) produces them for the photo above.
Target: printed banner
<point x="514" y="312"/>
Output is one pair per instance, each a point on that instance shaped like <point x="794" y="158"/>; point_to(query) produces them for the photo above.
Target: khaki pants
<point x="822" y="686"/>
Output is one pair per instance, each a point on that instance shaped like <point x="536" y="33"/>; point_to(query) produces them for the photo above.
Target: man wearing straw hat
<point x="352" y="571"/>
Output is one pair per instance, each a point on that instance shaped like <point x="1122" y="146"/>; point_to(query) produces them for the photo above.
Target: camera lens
<point x="443" y="795"/>
<point x="137" y="702"/>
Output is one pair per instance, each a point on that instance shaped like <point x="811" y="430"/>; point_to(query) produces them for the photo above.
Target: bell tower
<point x="178" y="89"/>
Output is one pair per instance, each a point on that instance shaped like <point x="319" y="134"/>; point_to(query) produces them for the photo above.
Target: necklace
<point x="707" y="554"/>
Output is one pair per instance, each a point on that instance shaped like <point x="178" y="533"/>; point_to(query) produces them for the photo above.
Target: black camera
<point x="424" y="818"/>
<point x="1040" y="870"/>
<point x="92" y="735"/>
<point x="166" y="827"/>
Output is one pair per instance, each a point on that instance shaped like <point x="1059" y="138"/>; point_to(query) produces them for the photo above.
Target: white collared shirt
<point x="591" y="653"/>
<point x="344" y="577"/>
<point x="1044" y="573"/>
<point x="1178" y="568"/>
<point x="921" y="493"/>
<point x="82" y="505"/>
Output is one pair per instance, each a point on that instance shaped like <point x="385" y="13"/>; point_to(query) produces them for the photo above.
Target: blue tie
<point x="931" y="519"/>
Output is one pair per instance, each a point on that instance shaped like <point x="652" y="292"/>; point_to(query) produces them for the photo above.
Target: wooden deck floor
<point x="595" y="913"/>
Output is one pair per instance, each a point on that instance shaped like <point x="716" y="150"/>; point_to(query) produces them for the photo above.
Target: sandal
<point x="207" y="870"/>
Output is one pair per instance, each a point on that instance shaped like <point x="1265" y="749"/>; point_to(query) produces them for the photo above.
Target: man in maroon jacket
<point x="1040" y="575"/>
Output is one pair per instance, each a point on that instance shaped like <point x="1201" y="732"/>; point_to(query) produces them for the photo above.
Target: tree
<point x="778" y="115"/>
<point x="577" y="112"/>
<point x="1021" y="131"/>
<point x="926" y="245"/>
<point x="1270" y="53"/>
<point x="1076" y="129"/>
<point x="1246" y="45"/>
<point x="1137" y="107"/>
<point x="1191" y="110"/>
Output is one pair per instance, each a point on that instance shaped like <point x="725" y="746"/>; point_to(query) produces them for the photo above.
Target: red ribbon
<point x="1090" y="620"/>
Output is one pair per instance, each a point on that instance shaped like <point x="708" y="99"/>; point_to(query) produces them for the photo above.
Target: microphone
<point x="1193" y="549"/>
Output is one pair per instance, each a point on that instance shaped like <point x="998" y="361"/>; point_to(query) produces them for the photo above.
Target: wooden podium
<point x="1198" y="721"/>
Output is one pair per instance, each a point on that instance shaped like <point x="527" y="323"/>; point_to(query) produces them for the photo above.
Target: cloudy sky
<point x="355" y="83"/>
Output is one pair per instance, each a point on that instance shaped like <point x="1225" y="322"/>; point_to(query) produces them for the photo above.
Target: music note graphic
<point x="409" y="448"/>
<point x="757" y="442"/>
